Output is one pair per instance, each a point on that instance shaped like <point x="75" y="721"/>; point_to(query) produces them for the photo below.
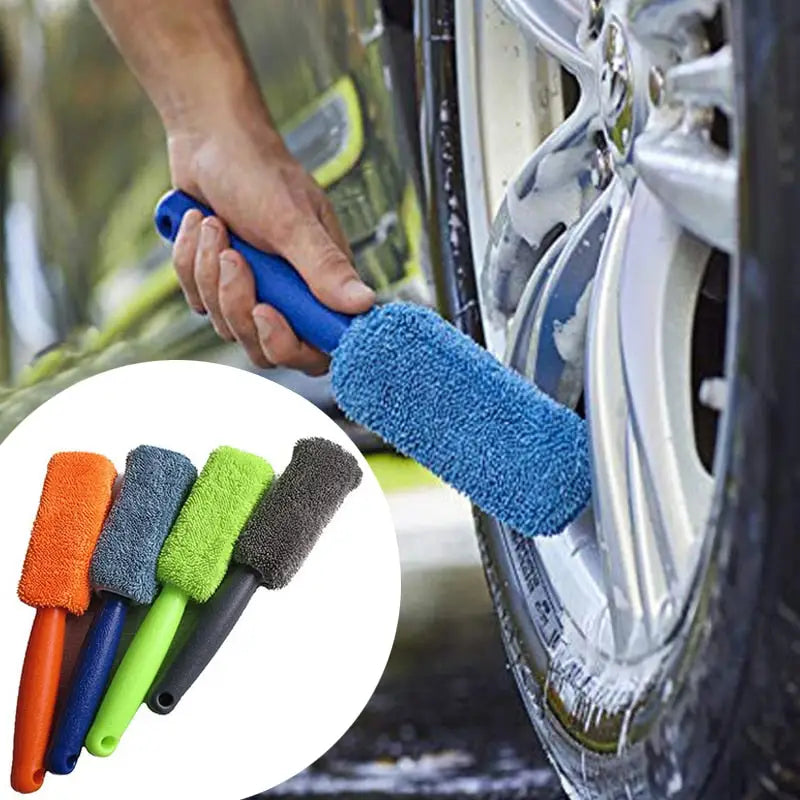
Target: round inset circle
<point x="302" y="661"/>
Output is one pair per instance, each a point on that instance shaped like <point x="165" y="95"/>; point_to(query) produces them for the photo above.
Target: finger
<point x="281" y="346"/>
<point x="237" y="298"/>
<point x="331" y="223"/>
<point x="212" y="241"/>
<point x="325" y="268"/>
<point x="183" y="253"/>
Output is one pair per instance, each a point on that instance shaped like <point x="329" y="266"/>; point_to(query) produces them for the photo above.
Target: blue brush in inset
<point x="123" y="569"/>
<point x="434" y="394"/>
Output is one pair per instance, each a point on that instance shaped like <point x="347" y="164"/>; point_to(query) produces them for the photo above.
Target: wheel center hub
<point x="616" y="88"/>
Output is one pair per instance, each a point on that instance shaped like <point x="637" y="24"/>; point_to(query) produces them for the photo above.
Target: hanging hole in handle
<point x="165" y="700"/>
<point x="165" y="226"/>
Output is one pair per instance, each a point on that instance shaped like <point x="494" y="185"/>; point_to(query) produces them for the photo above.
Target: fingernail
<point x="195" y="218"/>
<point x="208" y="233"/>
<point x="227" y="270"/>
<point x="355" y="291"/>
<point x="262" y="325"/>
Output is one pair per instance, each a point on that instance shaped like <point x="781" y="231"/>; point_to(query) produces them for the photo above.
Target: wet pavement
<point x="445" y="720"/>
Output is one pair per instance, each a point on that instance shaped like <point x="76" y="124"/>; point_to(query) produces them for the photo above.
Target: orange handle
<point x="36" y="701"/>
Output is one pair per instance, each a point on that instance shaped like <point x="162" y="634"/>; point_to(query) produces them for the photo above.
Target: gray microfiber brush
<point x="154" y="487"/>
<point x="123" y="568"/>
<point x="277" y="539"/>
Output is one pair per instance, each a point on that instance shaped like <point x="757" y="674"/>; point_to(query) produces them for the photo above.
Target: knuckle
<point x="331" y="260"/>
<point x="205" y="259"/>
<point x="330" y="273"/>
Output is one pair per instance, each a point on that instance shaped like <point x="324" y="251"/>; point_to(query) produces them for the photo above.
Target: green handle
<point x="136" y="671"/>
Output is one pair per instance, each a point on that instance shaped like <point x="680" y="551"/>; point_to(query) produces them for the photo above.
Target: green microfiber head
<point x="196" y="553"/>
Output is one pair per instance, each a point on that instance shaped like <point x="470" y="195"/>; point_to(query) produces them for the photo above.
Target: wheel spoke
<point x="626" y="538"/>
<point x="553" y="24"/>
<point x="706" y="81"/>
<point x="661" y="273"/>
<point x="662" y="17"/>
<point x="559" y="326"/>
<point x="555" y="185"/>
<point x="695" y="179"/>
<point x="551" y="339"/>
<point x="654" y="569"/>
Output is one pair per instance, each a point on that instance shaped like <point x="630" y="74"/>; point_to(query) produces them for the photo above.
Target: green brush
<point x="192" y="564"/>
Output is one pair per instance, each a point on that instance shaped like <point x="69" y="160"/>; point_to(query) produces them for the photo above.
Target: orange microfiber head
<point x="74" y="502"/>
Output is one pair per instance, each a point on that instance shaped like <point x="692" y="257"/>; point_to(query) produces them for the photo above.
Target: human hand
<point x="244" y="172"/>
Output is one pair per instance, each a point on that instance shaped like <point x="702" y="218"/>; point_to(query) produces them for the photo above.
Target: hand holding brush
<point x="433" y="393"/>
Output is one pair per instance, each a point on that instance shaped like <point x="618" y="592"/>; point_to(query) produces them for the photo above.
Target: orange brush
<point x="55" y="580"/>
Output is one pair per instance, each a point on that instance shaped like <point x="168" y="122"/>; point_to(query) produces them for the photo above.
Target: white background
<point x="302" y="662"/>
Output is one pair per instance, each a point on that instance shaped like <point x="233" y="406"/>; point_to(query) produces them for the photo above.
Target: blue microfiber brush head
<point x="424" y="386"/>
<point x="155" y="484"/>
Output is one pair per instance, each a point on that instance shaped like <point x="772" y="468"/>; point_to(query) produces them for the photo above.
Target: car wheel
<point x="614" y="190"/>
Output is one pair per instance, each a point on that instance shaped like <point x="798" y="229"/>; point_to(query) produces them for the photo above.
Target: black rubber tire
<point x="731" y="727"/>
<point x="761" y="757"/>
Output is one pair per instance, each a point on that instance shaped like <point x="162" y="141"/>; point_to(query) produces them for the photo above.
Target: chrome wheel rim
<point x="604" y="236"/>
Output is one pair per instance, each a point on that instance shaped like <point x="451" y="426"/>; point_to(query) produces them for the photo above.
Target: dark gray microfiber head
<point x="290" y="517"/>
<point x="154" y="486"/>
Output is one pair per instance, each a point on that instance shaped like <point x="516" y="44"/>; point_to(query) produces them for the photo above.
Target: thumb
<point x="327" y="270"/>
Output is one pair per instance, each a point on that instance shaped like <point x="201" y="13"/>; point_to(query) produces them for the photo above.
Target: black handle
<point x="216" y="620"/>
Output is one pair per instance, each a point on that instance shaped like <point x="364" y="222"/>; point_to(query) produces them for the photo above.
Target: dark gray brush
<point x="277" y="539"/>
<point x="289" y="519"/>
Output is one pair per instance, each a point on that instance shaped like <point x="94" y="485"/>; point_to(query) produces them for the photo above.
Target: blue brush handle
<point x="89" y="681"/>
<point x="277" y="281"/>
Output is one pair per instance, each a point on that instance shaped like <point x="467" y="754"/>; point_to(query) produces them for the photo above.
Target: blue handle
<point x="89" y="681"/>
<point x="277" y="282"/>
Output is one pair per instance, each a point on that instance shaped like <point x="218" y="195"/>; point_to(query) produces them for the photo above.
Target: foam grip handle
<point x="277" y="282"/>
<point x="136" y="671"/>
<point x="36" y="701"/>
<point x="88" y="684"/>
<point x="216" y="621"/>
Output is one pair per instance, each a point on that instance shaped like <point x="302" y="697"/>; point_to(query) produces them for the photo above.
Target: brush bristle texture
<point x="154" y="486"/>
<point x="72" y="507"/>
<point x="438" y="397"/>
<point x="290" y="517"/>
<point x="198" y="549"/>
